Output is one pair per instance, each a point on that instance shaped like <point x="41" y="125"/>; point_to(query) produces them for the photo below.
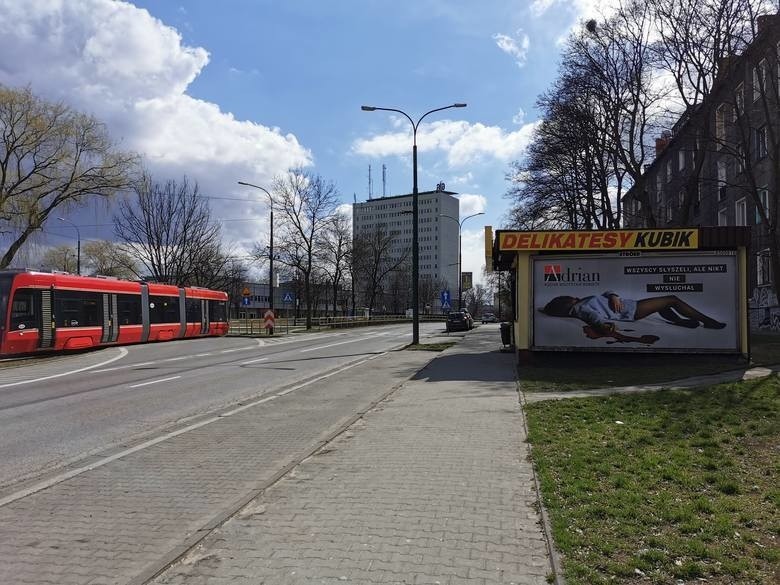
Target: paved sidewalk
<point x="432" y="486"/>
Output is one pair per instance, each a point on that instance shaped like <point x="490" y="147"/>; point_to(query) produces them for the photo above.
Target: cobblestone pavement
<point x="117" y="523"/>
<point x="432" y="486"/>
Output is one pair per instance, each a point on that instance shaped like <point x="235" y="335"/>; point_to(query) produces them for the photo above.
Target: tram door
<point x="47" y="319"/>
<point x="110" y="321"/>
<point x="204" y="317"/>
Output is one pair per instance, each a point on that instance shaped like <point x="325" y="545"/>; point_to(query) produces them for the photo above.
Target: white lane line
<point x="154" y="382"/>
<point x="253" y="361"/>
<point x="173" y="359"/>
<point x="236" y="349"/>
<point x="335" y="344"/>
<point x="122" y="353"/>
<point x="105" y="461"/>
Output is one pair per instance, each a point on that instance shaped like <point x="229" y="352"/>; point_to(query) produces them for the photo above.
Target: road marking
<point x="253" y="361"/>
<point x="122" y="353"/>
<point x="173" y="359"/>
<point x="339" y="343"/>
<point x="154" y="382"/>
<point x="106" y="460"/>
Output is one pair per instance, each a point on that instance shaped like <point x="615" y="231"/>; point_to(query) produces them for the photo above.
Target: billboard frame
<point x="514" y="251"/>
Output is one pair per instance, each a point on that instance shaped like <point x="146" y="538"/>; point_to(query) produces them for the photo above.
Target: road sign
<point x="446" y="305"/>
<point x="246" y="292"/>
<point x="445" y="298"/>
<point x="288" y="298"/>
<point x="245" y="301"/>
<point x="269" y="319"/>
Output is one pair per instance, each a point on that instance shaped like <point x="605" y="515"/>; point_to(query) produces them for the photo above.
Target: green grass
<point x="680" y="485"/>
<point x="563" y="372"/>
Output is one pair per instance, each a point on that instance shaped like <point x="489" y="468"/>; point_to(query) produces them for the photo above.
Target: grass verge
<point x="431" y="346"/>
<point x="570" y="372"/>
<point x="666" y="486"/>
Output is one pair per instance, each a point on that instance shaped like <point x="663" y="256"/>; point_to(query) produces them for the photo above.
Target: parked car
<point x="457" y="321"/>
<point x="489" y="318"/>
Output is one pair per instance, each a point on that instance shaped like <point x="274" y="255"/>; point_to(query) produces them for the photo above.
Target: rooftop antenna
<point x="370" y="184"/>
<point x="384" y="179"/>
<point x="354" y="197"/>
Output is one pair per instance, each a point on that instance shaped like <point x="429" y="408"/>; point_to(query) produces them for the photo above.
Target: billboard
<point x="636" y="301"/>
<point x="466" y="280"/>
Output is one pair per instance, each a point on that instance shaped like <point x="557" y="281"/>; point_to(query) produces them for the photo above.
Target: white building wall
<point x="437" y="236"/>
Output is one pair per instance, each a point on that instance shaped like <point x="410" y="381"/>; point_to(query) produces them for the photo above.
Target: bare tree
<point x="335" y="251"/>
<point x="168" y="230"/>
<point x="375" y="261"/>
<point x="51" y="157"/>
<point x="109" y="259"/>
<point x="306" y="203"/>
<point x="60" y="258"/>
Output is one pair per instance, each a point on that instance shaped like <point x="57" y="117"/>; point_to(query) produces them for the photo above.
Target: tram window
<point x="218" y="311"/>
<point x="25" y="311"/>
<point x="163" y="309"/>
<point x="74" y="308"/>
<point x="193" y="310"/>
<point x="129" y="308"/>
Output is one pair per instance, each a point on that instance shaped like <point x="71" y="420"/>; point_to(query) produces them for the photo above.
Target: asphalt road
<point x="59" y="412"/>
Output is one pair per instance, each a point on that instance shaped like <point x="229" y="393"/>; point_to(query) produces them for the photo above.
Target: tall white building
<point x="437" y="235"/>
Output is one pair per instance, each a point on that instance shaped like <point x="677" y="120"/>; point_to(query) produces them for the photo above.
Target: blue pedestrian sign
<point x="288" y="298"/>
<point x="445" y="299"/>
<point x="245" y="301"/>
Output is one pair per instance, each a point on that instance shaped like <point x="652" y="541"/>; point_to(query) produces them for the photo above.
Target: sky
<point x="242" y="90"/>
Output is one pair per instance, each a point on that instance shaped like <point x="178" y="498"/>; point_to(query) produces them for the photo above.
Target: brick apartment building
<point x="720" y="165"/>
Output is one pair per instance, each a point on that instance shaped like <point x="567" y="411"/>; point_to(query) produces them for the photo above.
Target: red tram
<point x="42" y="311"/>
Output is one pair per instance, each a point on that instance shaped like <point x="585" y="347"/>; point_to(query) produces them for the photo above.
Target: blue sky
<point x="243" y="89"/>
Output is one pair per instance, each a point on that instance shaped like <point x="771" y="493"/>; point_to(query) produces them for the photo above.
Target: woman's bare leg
<point x="652" y="305"/>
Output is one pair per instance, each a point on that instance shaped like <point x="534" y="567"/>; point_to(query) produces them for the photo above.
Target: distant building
<point x="718" y="165"/>
<point x="437" y="242"/>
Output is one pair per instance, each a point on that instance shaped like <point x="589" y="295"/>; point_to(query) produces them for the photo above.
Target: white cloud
<point x="580" y="8"/>
<point x="519" y="117"/>
<point x="471" y="204"/>
<point x="116" y="61"/>
<point x="517" y="47"/>
<point x="463" y="142"/>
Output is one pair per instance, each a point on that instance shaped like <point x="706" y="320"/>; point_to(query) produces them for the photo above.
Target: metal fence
<point x="296" y="325"/>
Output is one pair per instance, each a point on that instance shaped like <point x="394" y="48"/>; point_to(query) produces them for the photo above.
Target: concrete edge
<point x="555" y="560"/>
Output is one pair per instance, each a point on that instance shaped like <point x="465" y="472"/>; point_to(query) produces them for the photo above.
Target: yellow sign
<point x="246" y="292"/>
<point x="673" y="239"/>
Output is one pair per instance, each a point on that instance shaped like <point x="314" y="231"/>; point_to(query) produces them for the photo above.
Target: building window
<point x="669" y="170"/>
<point x="759" y="79"/>
<point x="740" y="159"/>
<point x="681" y="159"/>
<point x="739" y="102"/>
<point x="721" y="180"/>
<point x="761" y="148"/>
<point x="723" y="217"/>
<point x="720" y="122"/>
<point x="740" y="212"/>
<point x="763" y="199"/>
<point x="763" y="268"/>
<point x="669" y="211"/>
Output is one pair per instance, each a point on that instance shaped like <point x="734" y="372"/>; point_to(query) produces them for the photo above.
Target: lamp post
<point x="460" y="251"/>
<point x="271" y="247"/>
<point x="415" y="211"/>
<point x="78" y="244"/>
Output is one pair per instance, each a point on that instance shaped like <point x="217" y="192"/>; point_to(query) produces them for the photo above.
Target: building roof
<point x="407" y="195"/>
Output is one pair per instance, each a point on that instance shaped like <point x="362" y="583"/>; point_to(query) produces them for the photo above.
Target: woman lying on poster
<point x="599" y="312"/>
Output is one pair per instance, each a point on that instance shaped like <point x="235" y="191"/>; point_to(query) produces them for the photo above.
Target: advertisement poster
<point x="636" y="301"/>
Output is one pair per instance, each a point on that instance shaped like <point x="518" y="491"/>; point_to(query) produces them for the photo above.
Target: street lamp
<point x="271" y="248"/>
<point x="460" y="251"/>
<point x="415" y="211"/>
<point x="78" y="244"/>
